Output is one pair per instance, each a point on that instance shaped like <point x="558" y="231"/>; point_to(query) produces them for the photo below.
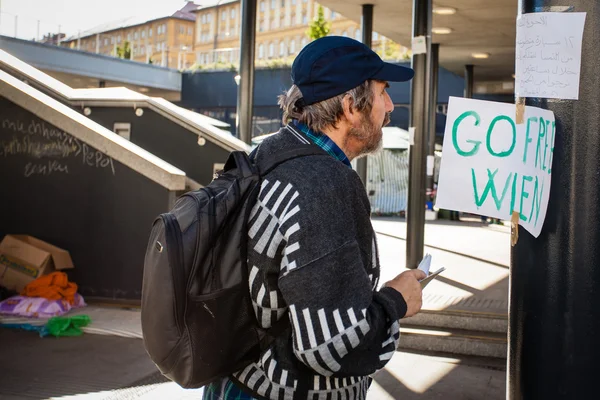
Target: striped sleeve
<point x="340" y="326"/>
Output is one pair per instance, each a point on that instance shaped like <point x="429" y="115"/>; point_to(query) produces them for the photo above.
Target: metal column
<point x="419" y="115"/>
<point x="245" y="99"/>
<point x="433" y="100"/>
<point x="468" y="81"/>
<point x="554" y="322"/>
<point x="366" y="27"/>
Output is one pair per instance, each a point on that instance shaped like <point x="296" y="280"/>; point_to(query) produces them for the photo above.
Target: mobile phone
<point x="425" y="281"/>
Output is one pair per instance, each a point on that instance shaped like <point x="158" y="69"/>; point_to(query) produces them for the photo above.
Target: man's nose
<point x="389" y="105"/>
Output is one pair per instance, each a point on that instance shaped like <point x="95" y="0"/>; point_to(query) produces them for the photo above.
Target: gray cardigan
<point x="312" y="258"/>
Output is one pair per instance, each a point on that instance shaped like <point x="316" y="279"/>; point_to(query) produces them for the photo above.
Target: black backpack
<point x="198" y="321"/>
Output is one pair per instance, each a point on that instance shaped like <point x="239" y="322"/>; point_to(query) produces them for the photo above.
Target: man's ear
<point x="350" y="113"/>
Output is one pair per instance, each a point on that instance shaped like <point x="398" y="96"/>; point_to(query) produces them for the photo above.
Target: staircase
<point x="456" y="330"/>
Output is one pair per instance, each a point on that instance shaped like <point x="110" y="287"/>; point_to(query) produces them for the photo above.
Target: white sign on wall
<point x="492" y="166"/>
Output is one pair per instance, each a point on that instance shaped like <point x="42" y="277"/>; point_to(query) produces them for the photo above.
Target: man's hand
<point x="407" y="283"/>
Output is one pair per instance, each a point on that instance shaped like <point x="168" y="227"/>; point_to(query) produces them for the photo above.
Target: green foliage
<point x="319" y="27"/>
<point x="125" y="51"/>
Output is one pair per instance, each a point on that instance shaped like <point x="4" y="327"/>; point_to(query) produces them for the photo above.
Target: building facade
<point x="166" y="41"/>
<point x="281" y="30"/>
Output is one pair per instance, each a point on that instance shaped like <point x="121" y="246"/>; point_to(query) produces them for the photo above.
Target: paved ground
<point x="476" y="277"/>
<point x="476" y="258"/>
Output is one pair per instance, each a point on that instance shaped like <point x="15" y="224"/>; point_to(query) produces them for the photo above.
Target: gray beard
<point x="370" y="135"/>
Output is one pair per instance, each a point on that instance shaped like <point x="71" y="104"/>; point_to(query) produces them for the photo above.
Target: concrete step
<point x="460" y="319"/>
<point x="452" y="341"/>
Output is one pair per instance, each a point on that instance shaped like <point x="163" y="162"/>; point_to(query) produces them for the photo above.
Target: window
<point x="262" y="6"/>
<point x="106" y="41"/>
<point x="332" y="15"/>
<point x="345" y="34"/>
<point x="136" y="35"/>
<point x="190" y="30"/>
<point x="223" y="15"/>
<point x="271" y="50"/>
<point x="129" y="37"/>
<point x="112" y="40"/>
<point x="209" y="18"/>
<point x="261" y="26"/>
<point x="119" y="39"/>
<point x="357" y="34"/>
<point x="293" y="2"/>
<point x="281" y="49"/>
<point x="375" y="36"/>
<point x="203" y="19"/>
<point x="281" y="21"/>
<point x="272" y="24"/>
<point x="292" y="47"/>
<point x="304" y="19"/>
<point x="181" y="30"/>
<point x="293" y="20"/>
<point x="261" y="51"/>
<point x="273" y="4"/>
<point x="150" y="32"/>
<point x="233" y="13"/>
<point x="143" y="34"/>
<point x="304" y="42"/>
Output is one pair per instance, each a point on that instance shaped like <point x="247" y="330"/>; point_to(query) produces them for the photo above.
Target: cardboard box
<point x="24" y="258"/>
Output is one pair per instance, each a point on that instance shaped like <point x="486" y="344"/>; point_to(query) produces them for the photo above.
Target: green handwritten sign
<point x="491" y="166"/>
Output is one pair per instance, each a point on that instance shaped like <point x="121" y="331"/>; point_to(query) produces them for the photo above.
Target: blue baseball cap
<point x="332" y="65"/>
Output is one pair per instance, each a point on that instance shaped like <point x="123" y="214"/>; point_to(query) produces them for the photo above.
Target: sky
<point x="73" y="15"/>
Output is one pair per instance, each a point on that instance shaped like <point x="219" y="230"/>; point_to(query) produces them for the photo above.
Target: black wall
<point x="60" y="190"/>
<point x="166" y="140"/>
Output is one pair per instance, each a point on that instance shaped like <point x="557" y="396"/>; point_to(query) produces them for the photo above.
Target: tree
<point x="319" y="27"/>
<point x="125" y="51"/>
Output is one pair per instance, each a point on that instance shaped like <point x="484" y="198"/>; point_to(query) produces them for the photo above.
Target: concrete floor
<point x="476" y="260"/>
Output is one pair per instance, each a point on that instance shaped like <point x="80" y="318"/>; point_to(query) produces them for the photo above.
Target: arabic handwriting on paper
<point x="548" y="55"/>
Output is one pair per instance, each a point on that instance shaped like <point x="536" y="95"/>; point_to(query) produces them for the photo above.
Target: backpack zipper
<point x="175" y="248"/>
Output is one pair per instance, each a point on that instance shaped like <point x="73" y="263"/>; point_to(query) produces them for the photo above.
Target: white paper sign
<point x="430" y="164"/>
<point x="548" y="55"/>
<point x="411" y="135"/>
<point x="419" y="45"/>
<point x="492" y="166"/>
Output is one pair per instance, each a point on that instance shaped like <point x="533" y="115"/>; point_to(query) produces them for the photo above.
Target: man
<point x="312" y="254"/>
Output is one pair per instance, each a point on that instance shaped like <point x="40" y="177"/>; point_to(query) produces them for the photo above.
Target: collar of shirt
<point x="323" y="141"/>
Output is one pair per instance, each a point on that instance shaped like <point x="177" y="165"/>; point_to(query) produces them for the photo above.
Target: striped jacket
<point x="313" y="259"/>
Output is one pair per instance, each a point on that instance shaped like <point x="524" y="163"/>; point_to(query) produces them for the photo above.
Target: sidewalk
<point x="476" y="257"/>
<point x="108" y="367"/>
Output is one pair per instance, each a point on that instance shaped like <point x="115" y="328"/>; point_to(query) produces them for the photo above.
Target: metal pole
<point x="419" y="114"/>
<point x="469" y="81"/>
<point x="366" y="27"/>
<point x="554" y="319"/>
<point x="434" y="68"/>
<point x="245" y="98"/>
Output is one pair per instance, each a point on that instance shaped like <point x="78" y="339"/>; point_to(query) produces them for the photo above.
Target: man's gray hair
<point x="326" y="113"/>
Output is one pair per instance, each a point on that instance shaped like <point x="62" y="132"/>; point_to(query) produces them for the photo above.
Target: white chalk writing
<point x="548" y="55"/>
<point x="39" y="140"/>
<point x="45" y="168"/>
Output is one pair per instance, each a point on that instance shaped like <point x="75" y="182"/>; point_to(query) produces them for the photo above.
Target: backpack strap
<point x="300" y="151"/>
<point x="241" y="161"/>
